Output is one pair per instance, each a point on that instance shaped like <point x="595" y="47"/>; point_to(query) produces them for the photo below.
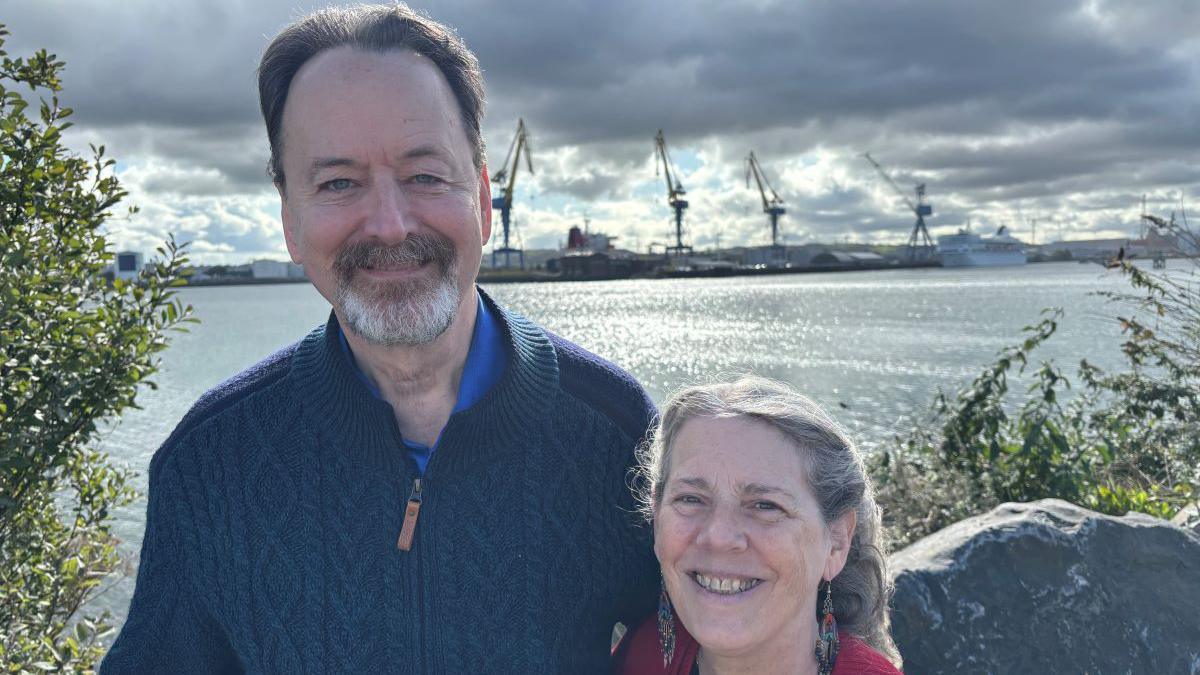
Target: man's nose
<point x="390" y="218"/>
<point x="722" y="530"/>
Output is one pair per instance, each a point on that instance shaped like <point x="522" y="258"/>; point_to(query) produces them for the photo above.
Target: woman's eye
<point x="766" y="506"/>
<point x="687" y="499"/>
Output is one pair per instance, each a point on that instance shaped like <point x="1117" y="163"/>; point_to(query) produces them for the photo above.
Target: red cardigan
<point x="638" y="653"/>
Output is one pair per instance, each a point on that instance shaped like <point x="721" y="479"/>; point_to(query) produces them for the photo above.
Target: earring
<point x="666" y="626"/>
<point x="827" y="635"/>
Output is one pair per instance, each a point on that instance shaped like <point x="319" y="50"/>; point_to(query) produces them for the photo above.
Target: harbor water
<point x="873" y="347"/>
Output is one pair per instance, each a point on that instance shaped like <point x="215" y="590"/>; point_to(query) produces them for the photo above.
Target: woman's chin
<point x="724" y="638"/>
<point x="727" y="622"/>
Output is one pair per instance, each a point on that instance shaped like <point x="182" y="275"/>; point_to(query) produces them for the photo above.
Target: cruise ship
<point x="967" y="249"/>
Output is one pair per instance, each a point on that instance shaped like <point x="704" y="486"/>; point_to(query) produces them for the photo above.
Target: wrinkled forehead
<point x="374" y="97"/>
<point x="748" y="450"/>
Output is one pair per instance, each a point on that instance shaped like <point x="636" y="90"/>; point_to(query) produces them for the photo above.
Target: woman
<point x="767" y="533"/>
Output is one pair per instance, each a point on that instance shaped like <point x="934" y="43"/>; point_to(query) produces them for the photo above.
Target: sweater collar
<point x="336" y="399"/>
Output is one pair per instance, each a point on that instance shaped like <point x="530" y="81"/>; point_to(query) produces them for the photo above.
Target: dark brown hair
<point x="369" y="28"/>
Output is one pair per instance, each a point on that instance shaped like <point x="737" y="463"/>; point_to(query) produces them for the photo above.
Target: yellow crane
<point x="675" y="192"/>
<point x="773" y="207"/>
<point x="506" y="177"/>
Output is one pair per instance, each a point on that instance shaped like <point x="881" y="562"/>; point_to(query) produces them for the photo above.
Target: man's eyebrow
<point x="321" y="163"/>
<point x="422" y="151"/>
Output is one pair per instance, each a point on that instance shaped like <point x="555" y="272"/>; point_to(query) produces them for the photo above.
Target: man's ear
<point x="290" y="235"/>
<point x="485" y="205"/>
<point x="841" y="534"/>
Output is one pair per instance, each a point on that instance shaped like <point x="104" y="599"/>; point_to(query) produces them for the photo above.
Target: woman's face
<point x="740" y="537"/>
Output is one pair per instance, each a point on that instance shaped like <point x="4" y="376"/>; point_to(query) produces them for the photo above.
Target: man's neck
<point x="420" y="381"/>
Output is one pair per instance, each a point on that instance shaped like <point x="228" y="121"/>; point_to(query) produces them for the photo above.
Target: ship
<point x="967" y="249"/>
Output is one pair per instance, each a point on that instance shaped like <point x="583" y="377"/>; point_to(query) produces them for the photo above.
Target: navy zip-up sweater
<point x="275" y="507"/>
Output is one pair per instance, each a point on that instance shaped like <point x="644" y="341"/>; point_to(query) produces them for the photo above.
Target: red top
<point x="638" y="653"/>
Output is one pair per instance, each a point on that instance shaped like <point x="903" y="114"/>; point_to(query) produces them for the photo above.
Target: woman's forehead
<point x="735" y="451"/>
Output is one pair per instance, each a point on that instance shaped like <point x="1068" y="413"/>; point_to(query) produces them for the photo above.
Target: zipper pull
<point x="409" y="529"/>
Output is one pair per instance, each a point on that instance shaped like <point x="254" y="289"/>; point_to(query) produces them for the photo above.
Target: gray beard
<point x="404" y="313"/>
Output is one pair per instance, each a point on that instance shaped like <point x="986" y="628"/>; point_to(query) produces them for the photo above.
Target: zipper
<point x="409" y="529"/>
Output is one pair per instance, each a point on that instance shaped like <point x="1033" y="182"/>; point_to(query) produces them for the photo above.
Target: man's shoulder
<point x="603" y="386"/>
<point x="257" y="380"/>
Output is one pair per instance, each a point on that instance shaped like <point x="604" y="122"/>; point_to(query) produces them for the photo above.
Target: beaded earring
<point x="666" y="626"/>
<point x="827" y="636"/>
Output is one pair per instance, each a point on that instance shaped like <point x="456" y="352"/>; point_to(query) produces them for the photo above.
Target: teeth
<point x="724" y="585"/>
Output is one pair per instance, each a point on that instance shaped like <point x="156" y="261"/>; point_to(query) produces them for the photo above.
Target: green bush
<point x="1126" y="441"/>
<point x="74" y="349"/>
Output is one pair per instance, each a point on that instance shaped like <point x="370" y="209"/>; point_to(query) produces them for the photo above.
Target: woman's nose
<point x="722" y="530"/>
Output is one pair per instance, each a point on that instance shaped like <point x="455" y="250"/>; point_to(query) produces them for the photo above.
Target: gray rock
<point x="1049" y="587"/>
<point x="1188" y="517"/>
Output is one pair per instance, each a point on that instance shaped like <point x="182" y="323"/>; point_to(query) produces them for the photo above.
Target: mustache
<point x="417" y="248"/>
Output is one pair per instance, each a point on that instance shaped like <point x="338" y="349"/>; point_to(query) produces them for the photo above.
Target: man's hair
<point x="377" y="28"/>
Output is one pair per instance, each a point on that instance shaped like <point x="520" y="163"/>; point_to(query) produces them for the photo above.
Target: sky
<point x="1052" y="117"/>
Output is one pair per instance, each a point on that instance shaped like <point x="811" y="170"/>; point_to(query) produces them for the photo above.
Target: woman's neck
<point x="784" y="653"/>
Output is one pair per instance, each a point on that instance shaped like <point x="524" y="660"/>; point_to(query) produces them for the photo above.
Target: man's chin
<point x="397" y="314"/>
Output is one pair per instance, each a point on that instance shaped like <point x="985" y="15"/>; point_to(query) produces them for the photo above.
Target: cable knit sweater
<point x="275" y="507"/>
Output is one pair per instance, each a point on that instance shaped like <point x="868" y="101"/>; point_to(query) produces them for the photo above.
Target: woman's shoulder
<point x="639" y="652"/>
<point x="856" y="657"/>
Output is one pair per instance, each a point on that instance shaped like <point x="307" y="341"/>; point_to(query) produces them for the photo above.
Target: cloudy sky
<point x="1063" y="112"/>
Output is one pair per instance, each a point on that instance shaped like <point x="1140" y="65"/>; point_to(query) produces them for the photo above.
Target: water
<point x="873" y="347"/>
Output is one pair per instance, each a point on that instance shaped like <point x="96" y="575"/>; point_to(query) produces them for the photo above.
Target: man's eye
<point x="338" y="184"/>
<point x="426" y="179"/>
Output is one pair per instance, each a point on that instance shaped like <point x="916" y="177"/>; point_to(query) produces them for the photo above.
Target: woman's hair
<point x="835" y="474"/>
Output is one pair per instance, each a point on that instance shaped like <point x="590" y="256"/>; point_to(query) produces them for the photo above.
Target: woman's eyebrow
<point x="761" y="489"/>
<point x="693" y="482"/>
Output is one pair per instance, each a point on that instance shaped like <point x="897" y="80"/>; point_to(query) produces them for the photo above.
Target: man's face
<point x="382" y="203"/>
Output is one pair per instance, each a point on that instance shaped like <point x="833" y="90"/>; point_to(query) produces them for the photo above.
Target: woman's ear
<point x="841" y="534"/>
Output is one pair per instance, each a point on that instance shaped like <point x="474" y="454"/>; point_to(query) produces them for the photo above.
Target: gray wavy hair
<point x="835" y="472"/>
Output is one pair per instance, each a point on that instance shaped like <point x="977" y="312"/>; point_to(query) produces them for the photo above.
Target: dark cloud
<point x="1063" y="106"/>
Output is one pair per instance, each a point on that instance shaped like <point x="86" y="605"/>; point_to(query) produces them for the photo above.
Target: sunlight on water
<point x="872" y="347"/>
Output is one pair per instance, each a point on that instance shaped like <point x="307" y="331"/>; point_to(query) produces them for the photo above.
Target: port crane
<point x="773" y="207"/>
<point x="675" y="193"/>
<point x="919" y="240"/>
<point x="506" y="177"/>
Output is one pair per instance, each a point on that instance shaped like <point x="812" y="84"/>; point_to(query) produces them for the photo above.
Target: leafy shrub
<point x="74" y="349"/>
<point x="1127" y="441"/>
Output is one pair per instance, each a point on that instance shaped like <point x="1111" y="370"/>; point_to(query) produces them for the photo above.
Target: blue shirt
<point x="487" y="358"/>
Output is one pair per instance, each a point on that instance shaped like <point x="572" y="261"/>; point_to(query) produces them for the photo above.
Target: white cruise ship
<point x="967" y="249"/>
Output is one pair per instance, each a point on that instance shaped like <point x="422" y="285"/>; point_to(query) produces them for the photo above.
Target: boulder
<point x="1188" y="517"/>
<point x="1049" y="587"/>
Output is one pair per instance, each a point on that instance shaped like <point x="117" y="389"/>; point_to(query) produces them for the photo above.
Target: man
<point x="428" y="483"/>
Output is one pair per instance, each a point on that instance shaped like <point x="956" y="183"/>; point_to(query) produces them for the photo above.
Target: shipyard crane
<point x="773" y="207"/>
<point x="675" y="193"/>
<point x="919" y="239"/>
<point x="506" y="177"/>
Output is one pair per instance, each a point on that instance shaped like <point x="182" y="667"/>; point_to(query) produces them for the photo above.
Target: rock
<point x="1189" y="514"/>
<point x="1049" y="587"/>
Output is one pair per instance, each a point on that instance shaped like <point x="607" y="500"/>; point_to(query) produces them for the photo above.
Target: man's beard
<point x="409" y="312"/>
